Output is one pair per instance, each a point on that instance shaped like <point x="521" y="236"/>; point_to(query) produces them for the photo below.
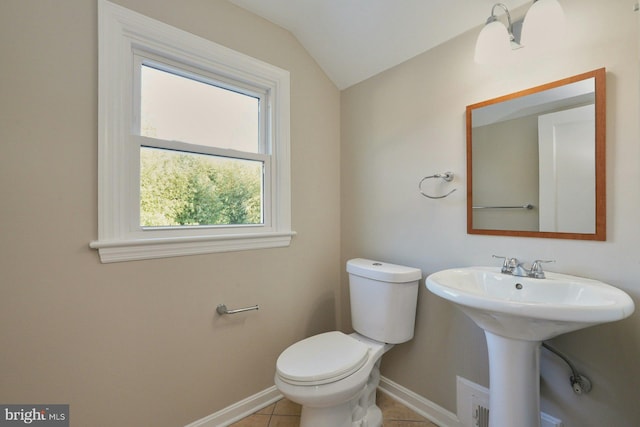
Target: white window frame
<point x="124" y="36"/>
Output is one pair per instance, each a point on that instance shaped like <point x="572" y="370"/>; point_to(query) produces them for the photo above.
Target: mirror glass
<point x="536" y="161"/>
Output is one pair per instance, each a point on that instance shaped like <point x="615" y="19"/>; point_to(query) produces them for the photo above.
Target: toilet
<point x="334" y="376"/>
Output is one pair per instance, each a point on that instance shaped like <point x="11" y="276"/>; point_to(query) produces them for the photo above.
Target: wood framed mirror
<point x="536" y="161"/>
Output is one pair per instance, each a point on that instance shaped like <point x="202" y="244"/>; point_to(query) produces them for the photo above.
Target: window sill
<point x="139" y="249"/>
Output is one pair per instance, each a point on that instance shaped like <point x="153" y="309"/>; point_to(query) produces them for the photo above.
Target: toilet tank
<point x="383" y="299"/>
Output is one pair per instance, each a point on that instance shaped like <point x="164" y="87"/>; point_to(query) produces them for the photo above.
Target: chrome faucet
<point x="516" y="268"/>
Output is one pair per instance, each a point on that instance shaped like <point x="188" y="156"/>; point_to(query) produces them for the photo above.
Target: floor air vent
<point x="473" y="406"/>
<point x="480" y="414"/>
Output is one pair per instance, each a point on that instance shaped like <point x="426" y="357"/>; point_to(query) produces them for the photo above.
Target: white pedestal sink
<point x="517" y="314"/>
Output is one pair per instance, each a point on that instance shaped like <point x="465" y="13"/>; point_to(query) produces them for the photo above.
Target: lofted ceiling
<point x="353" y="40"/>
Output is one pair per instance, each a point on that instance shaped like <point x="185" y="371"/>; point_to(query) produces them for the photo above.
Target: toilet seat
<point x="321" y="359"/>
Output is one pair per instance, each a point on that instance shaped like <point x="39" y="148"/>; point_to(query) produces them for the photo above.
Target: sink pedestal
<point x="514" y="381"/>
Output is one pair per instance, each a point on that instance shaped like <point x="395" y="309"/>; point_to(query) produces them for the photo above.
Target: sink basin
<point x="527" y="308"/>
<point x="517" y="314"/>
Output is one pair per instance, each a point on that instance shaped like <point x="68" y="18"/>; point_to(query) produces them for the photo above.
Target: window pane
<point x="177" y="108"/>
<point x="179" y="189"/>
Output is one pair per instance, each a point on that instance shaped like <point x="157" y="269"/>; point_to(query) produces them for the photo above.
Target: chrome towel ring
<point x="447" y="176"/>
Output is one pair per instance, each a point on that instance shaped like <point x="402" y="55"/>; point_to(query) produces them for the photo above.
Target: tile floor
<point x="285" y="413"/>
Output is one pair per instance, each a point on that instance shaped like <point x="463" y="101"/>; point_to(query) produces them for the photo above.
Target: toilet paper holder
<point x="222" y="309"/>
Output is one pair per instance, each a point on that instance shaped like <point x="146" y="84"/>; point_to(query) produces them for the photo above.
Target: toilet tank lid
<point x="383" y="271"/>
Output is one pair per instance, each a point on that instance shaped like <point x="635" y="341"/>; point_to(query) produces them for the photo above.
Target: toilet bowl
<point x="338" y="380"/>
<point x="334" y="376"/>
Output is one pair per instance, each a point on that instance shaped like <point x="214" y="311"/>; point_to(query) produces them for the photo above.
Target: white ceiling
<point x="353" y="40"/>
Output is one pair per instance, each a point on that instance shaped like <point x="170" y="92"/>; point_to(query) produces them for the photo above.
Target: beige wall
<point x="409" y="122"/>
<point x="139" y="343"/>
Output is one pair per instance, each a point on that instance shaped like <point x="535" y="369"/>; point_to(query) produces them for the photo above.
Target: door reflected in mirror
<point x="536" y="161"/>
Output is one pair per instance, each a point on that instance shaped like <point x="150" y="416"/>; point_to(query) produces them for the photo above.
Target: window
<point x="203" y="157"/>
<point x="193" y="144"/>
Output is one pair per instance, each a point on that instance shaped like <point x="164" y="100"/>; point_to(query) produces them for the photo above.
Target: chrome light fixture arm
<point x="493" y="18"/>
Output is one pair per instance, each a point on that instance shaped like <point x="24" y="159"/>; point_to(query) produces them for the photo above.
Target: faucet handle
<point x="507" y="264"/>
<point x="536" y="268"/>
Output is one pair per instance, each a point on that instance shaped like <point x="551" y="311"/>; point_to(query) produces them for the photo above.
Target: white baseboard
<point x="239" y="410"/>
<point x="251" y="404"/>
<point x="419" y="404"/>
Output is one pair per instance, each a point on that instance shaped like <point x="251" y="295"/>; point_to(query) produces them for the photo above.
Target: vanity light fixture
<point x="540" y="27"/>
